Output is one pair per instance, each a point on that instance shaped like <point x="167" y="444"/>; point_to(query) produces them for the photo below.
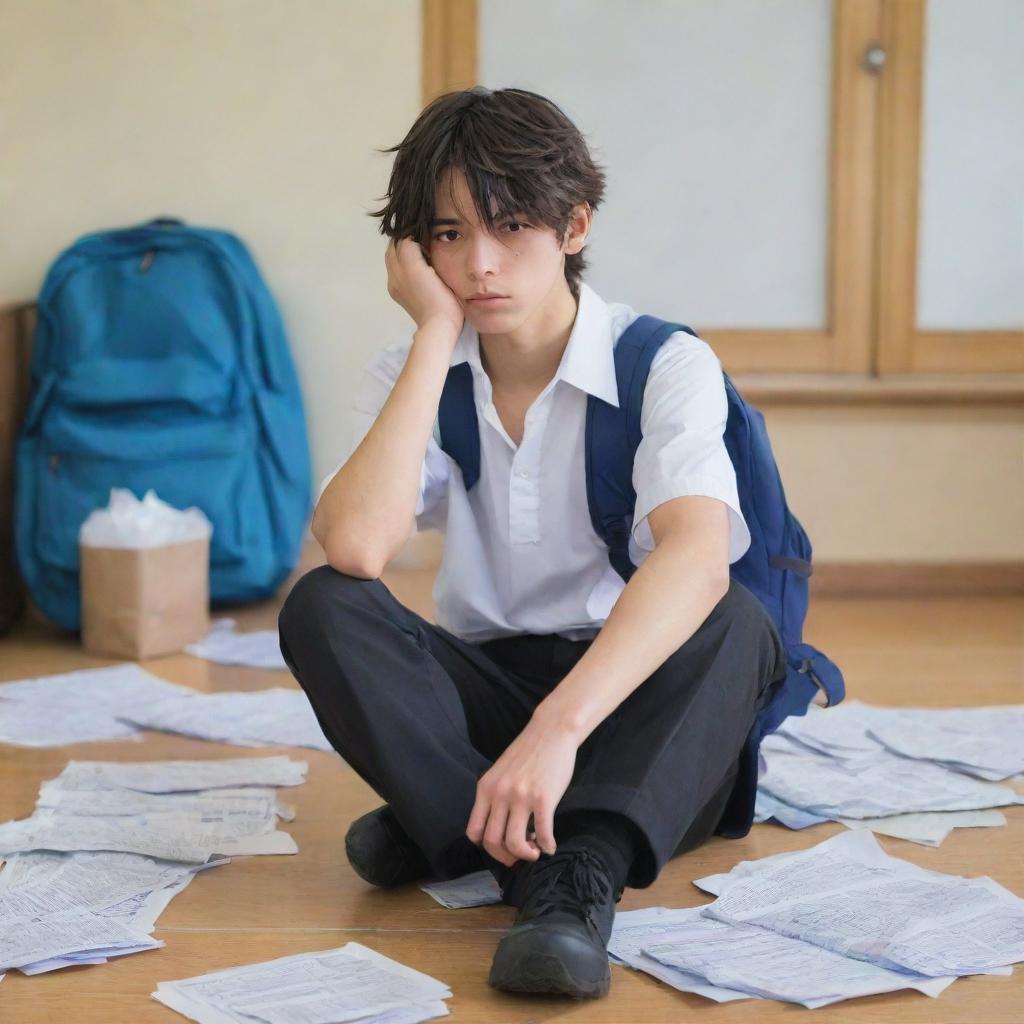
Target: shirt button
<point x="522" y="474"/>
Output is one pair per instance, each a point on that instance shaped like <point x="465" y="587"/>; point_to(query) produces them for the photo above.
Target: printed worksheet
<point x="183" y="776"/>
<point x="260" y="718"/>
<point x="847" y="895"/>
<point x="352" y="983"/>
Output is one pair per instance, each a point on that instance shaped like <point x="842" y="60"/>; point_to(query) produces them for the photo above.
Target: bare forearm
<point x="664" y="603"/>
<point x="366" y="513"/>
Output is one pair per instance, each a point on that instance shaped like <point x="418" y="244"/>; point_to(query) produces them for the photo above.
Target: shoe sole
<point x="541" y="973"/>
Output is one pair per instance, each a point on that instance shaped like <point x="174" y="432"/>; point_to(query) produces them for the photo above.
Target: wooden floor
<point x="939" y="652"/>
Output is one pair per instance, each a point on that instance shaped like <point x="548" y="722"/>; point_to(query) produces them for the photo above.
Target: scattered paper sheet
<point x="874" y="786"/>
<point x="276" y="717"/>
<point x="162" y="836"/>
<point x="256" y="802"/>
<point x="118" y="702"/>
<point x="134" y="890"/>
<point x="191" y="827"/>
<point x="30" y="724"/>
<point x="109" y="884"/>
<point x="980" y="741"/>
<point x="352" y="983"/>
<point x="87" y="875"/>
<point x="78" y="707"/>
<point x="256" y="649"/>
<point x="182" y="776"/>
<point x="927" y="828"/>
<point x="841" y="731"/>
<point x="57" y="963"/>
<point x="911" y="773"/>
<point x="478" y="889"/>
<point x="763" y="963"/>
<point x="769" y="808"/>
<point x="27" y="940"/>
<point x="985" y="742"/>
<point x="847" y="895"/>
<point x="635" y="929"/>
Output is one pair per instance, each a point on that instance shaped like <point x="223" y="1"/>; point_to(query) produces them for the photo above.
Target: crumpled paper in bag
<point x="129" y="523"/>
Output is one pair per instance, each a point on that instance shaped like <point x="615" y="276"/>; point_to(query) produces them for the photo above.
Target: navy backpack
<point x="775" y="568"/>
<point x="160" y="361"/>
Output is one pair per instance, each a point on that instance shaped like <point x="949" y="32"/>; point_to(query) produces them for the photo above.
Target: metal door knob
<point x="874" y="59"/>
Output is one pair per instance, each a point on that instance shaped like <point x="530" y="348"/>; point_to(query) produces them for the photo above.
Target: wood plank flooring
<point x="939" y="652"/>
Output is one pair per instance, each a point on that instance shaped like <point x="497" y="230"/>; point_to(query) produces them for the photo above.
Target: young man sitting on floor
<point x="568" y="730"/>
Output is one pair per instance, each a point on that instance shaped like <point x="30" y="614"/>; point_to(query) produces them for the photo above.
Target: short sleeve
<point x="376" y="384"/>
<point x="683" y="448"/>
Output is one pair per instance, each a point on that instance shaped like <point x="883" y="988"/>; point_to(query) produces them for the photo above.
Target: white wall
<point x="712" y="119"/>
<point x="258" y="117"/>
<point x="972" y="167"/>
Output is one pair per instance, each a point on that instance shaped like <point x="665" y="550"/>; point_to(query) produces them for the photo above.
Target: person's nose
<point x="483" y="256"/>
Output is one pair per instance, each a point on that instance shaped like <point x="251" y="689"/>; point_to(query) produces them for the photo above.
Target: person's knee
<point x="747" y="618"/>
<point x="738" y="627"/>
<point x="739" y="607"/>
<point x="318" y="588"/>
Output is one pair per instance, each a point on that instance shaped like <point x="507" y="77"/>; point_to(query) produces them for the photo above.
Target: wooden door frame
<point x="450" y="61"/>
<point x="450" y="43"/>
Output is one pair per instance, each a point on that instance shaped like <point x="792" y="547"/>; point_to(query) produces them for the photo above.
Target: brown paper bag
<point x="144" y="602"/>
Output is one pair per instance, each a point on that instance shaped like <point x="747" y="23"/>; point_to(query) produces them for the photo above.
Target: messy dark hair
<point x="519" y="153"/>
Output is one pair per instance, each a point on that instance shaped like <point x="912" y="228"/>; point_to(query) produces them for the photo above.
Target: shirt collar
<point x="588" y="362"/>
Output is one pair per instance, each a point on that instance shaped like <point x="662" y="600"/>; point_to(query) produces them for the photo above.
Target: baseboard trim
<point x="916" y="579"/>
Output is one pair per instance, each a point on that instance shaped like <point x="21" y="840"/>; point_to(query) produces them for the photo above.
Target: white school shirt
<point x="520" y="554"/>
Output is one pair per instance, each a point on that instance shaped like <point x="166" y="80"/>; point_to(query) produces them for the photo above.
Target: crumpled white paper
<point x="129" y="523"/>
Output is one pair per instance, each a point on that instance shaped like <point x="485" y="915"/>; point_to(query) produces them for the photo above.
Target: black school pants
<point x="421" y="714"/>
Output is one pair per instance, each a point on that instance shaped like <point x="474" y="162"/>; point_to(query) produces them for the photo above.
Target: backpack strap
<point x="613" y="432"/>
<point x="613" y="435"/>
<point x="457" y="423"/>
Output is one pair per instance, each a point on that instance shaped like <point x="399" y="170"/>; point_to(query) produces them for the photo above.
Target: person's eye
<point x="442" y="235"/>
<point x="517" y="225"/>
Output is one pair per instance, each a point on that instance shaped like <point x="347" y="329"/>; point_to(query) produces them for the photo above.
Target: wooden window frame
<point x="870" y="351"/>
<point x="902" y="346"/>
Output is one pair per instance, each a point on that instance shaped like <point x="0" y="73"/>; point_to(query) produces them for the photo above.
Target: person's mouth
<point x="487" y="299"/>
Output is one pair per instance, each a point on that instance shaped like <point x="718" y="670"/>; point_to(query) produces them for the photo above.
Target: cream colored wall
<point x="258" y="116"/>
<point x="262" y="117"/>
<point x="904" y="484"/>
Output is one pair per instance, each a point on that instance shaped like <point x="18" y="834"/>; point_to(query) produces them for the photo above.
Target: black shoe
<point x="381" y="853"/>
<point x="559" y="942"/>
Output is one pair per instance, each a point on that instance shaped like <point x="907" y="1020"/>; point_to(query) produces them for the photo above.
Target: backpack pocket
<point x="220" y="477"/>
<point x="177" y="383"/>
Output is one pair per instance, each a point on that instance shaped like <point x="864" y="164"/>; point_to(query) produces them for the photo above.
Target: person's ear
<point x="578" y="228"/>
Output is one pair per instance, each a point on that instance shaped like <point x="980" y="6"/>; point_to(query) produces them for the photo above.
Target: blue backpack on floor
<point x="775" y="568"/>
<point x="160" y="361"/>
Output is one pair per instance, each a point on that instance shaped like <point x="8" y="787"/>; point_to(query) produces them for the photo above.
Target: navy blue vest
<point x="775" y="568"/>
